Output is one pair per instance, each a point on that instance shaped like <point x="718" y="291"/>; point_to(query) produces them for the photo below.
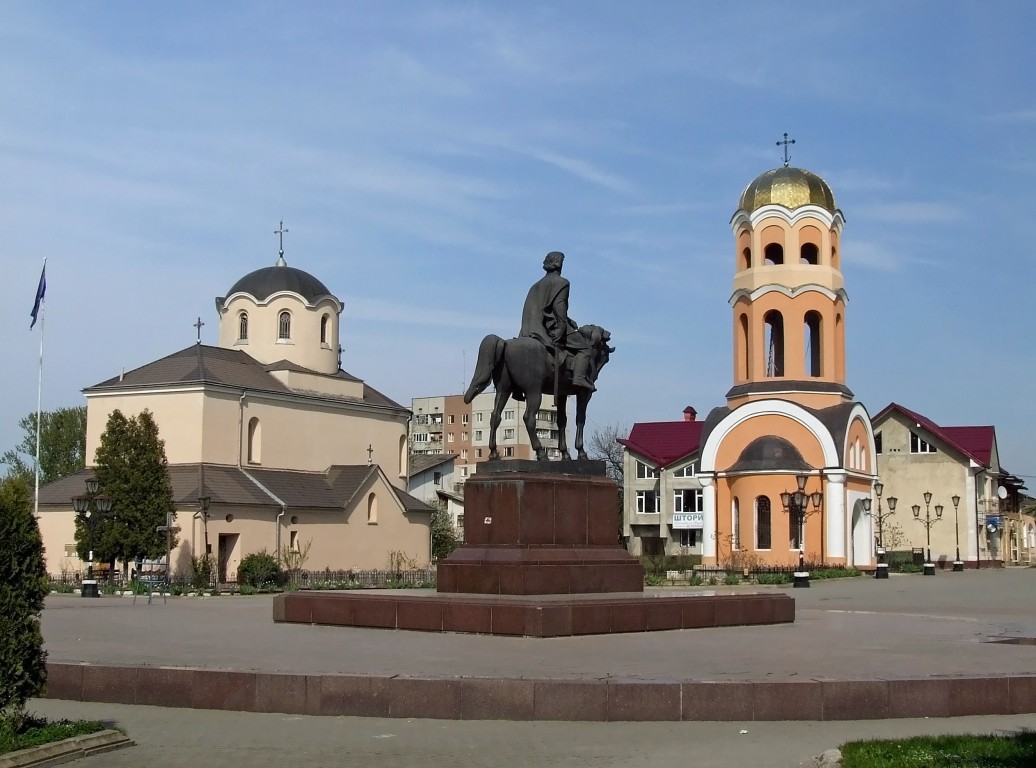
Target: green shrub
<point x="260" y="569"/>
<point x="60" y="587"/>
<point x="23" y="587"/>
<point x="202" y="567"/>
<point x="909" y="568"/>
<point x="773" y="578"/>
<point x="659" y="564"/>
<point x="731" y="579"/>
<point x="247" y="589"/>
<point x="834" y="573"/>
<point x="653" y="580"/>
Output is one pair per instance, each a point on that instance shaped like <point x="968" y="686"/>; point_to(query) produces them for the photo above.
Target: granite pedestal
<point x="541" y="558"/>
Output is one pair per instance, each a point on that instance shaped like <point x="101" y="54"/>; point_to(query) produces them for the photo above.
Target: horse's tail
<point x="490" y="357"/>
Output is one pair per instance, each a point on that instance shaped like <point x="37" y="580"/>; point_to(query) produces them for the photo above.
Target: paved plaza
<point x="909" y="626"/>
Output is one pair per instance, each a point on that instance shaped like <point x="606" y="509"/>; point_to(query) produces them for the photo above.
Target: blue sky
<point x="426" y="155"/>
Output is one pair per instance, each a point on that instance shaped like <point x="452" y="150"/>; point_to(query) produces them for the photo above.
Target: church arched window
<point x="284" y="326"/>
<point x="735" y="524"/>
<point x="813" y="344"/>
<point x="773" y="254"/>
<point x="372" y="509"/>
<point x="255" y="440"/>
<point x="744" y="352"/>
<point x="774" y="322"/>
<point x="324" y="321"/>
<point x="762" y="522"/>
<point x="809" y="254"/>
<point x="242" y="326"/>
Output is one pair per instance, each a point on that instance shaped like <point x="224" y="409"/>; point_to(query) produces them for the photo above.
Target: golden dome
<point x="790" y="187"/>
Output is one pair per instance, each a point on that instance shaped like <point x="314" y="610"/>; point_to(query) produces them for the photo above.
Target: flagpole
<point x="39" y="399"/>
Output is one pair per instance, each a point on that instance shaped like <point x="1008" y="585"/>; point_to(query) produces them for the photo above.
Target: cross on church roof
<point x="786" y="142"/>
<point x="280" y="233"/>
<point x="198" y="326"/>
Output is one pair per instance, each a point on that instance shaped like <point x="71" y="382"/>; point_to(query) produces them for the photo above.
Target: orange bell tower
<point x="789" y="294"/>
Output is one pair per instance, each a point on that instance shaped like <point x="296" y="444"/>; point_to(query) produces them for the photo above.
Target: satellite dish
<point x="1001" y="492"/>
<point x="991" y="527"/>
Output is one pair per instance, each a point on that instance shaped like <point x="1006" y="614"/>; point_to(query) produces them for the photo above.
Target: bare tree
<point x="604" y="446"/>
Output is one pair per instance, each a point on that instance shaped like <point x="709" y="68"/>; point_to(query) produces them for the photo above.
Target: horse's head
<point x="600" y="342"/>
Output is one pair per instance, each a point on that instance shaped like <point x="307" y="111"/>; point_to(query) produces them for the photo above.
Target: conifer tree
<point x="23" y="670"/>
<point x="132" y="469"/>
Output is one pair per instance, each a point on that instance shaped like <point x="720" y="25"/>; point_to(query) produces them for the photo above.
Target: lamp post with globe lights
<point x="86" y="508"/>
<point x="928" y="522"/>
<point x="797" y="503"/>
<point x="958" y="564"/>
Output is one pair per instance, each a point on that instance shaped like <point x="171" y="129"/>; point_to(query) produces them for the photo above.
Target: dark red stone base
<point x="532" y="616"/>
<point x="611" y="699"/>
<point x="540" y="571"/>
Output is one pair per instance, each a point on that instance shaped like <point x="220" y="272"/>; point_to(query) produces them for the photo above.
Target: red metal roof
<point x="974" y="442"/>
<point x="664" y="442"/>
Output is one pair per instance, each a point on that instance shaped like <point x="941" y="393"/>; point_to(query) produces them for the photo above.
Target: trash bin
<point x="918" y="555"/>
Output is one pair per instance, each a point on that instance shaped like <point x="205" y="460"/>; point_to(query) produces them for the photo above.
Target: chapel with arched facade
<point x="790" y="423"/>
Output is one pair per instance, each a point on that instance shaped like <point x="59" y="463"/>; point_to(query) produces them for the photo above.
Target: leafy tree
<point x="444" y="535"/>
<point x="62" y="445"/>
<point x="260" y="569"/>
<point x="23" y="670"/>
<point x="132" y="469"/>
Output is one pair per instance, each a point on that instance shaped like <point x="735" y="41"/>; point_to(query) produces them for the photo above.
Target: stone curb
<point x="66" y="750"/>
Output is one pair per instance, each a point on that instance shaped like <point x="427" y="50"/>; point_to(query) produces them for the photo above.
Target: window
<point x="813" y="344"/>
<point x="435" y="418"/>
<point x="478" y="453"/>
<point x="877" y="442"/>
<point x="463" y="471"/>
<point x="735" y="511"/>
<point x="762" y="523"/>
<point x="437" y="478"/>
<point x="421" y="437"/>
<point x="460" y="526"/>
<point x="242" y="326"/>
<point x="689" y="471"/>
<point x="688" y="500"/>
<point x="774" y="322"/>
<point x="449" y="438"/>
<point x="464" y="418"/>
<point x="478" y="434"/>
<point x="372" y="509"/>
<point x="449" y="419"/>
<point x="509" y="451"/>
<point x="422" y="419"/>
<point x="464" y="437"/>
<point x="919" y="444"/>
<point x="255" y="441"/>
<point x="647" y="502"/>
<point x="509" y="415"/>
<point x="284" y="326"/>
<point x="793" y="530"/>
<point x="323" y="329"/>
<point x="773" y="254"/>
<point x="478" y="417"/>
<point x="809" y="254"/>
<point x="509" y="434"/>
<point x="688" y="537"/>
<point x="645" y="472"/>
<point x="464" y="454"/>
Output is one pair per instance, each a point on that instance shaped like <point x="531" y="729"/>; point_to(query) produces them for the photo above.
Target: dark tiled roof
<point x="777" y="386"/>
<point x="768" y="453"/>
<point x="203" y="364"/>
<point x="664" y="442"/>
<point x="975" y="443"/>
<point x="230" y="485"/>
<point x="422" y="462"/>
<point x="197" y="364"/>
<point x="264" y="283"/>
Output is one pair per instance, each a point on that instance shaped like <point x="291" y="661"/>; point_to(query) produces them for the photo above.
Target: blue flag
<point x="41" y="291"/>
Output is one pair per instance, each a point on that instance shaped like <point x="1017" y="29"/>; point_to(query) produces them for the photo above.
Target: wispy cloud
<point x="910" y="212"/>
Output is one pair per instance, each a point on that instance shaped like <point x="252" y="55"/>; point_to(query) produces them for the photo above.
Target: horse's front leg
<point x="562" y="414"/>
<point x="581" y="401"/>
<point x="532" y="407"/>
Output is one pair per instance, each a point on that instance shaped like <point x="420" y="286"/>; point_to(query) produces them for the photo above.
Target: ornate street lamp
<point x="928" y="522"/>
<point x="797" y="503"/>
<point x="84" y="507"/>
<point x="958" y="564"/>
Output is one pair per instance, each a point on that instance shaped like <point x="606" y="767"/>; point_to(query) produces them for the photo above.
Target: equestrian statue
<point x="551" y="355"/>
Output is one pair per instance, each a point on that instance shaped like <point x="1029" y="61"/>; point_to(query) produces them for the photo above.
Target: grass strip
<point x="1016" y="750"/>
<point x="36" y="731"/>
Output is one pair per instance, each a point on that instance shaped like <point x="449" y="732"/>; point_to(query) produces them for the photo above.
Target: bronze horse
<point x="524" y="368"/>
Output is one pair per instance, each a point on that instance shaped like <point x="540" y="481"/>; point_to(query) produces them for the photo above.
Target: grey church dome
<point x="265" y="282"/>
